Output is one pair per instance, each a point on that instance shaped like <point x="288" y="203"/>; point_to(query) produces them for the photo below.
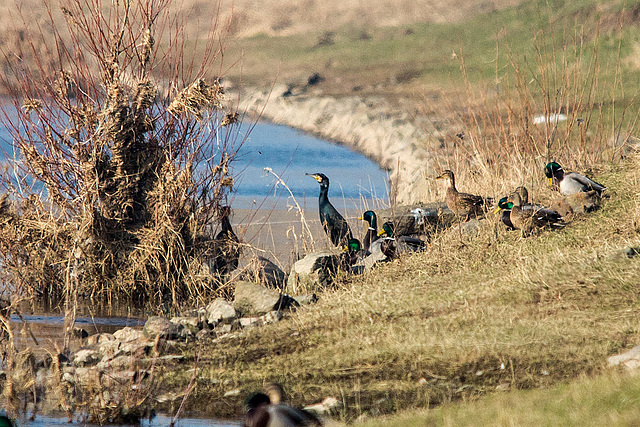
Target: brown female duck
<point x="462" y="204"/>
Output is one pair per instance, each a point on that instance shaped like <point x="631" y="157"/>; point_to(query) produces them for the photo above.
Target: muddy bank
<point x="393" y="136"/>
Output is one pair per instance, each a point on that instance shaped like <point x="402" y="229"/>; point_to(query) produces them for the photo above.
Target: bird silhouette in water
<point x="227" y="246"/>
<point x="270" y="410"/>
<point x="333" y="223"/>
<point x="569" y="183"/>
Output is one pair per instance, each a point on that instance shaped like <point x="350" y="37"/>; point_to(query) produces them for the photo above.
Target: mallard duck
<point x="227" y="246"/>
<point x="392" y="245"/>
<point x="527" y="220"/>
<point x="270" y="410"/>
<point x="571" y="182"/>
<point x="352" y="254"/>
<point x="372" y="232"/>
<point x="333" y="223"/>
<point x="462" y="204"/>
<point x="506" y="207"/>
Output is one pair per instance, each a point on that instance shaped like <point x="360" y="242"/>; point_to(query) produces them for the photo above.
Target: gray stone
<point x="127" y="334"/>
<point x="248" y="322"/>
<point x="233" y="393"/>
<point x="224" y="328"/>
<point x="160" y="326"/>
<point x="315" y="271"/>
<point x="629" y="359"/>
<point x="99" y="338"/>
<point x="86" y="357"/>
<point x="264" y="271"/>
<point x="251" y="298"/>
<point x="119" y="362"/>
<point x="109" y="349"/>
<point x="219" y="310"/>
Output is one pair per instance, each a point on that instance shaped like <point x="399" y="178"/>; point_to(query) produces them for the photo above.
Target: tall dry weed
<point x="118" y="170"/>
<point x="563" y="103"/>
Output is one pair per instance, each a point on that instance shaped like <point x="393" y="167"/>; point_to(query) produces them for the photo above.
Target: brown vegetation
<point x="120" y="166"/>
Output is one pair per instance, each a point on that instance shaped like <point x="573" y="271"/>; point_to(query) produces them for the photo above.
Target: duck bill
<point x="381" y="233"/>
<point x="551" y="181"/>
<point x="361" y="218"/>
<point x="498" y="209"/>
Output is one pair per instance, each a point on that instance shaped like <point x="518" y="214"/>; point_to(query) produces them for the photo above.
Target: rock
<point x="327" y="406"/>
<point x="315" y="271"/>
<point x="469" y="228"/>
<point x="629" y="359"/>
<point x="86" y="357"/>
<point x="219" y="310"/>
<point x="119" y="362"/>
<point x="127" y="334"/>
<point x="251" y="298"/>
<point x="262" y="270"/>
<point x="99" y="338"/>
<point x="109" y="349"/>
<point x="248" y="322"/>
<point x="189" y="326"/>
<point x="224" y="328"/>
<point x="160" y="326"/>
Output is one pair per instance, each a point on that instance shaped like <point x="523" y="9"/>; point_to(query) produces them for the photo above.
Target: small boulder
<point x="315" y="271"/>
<point x="100" y="338"/>
<point x="629" y="359"/>
<point x="264" y="271"/>
<point x="251" y="298"/>
<point x="86" y="357"/>
<point x="248" y="322"/>
<point x="189" y="325"/>
<point x="219" y="310"/>
<point x="160" y="326"/>
<point x="127" y="334"/>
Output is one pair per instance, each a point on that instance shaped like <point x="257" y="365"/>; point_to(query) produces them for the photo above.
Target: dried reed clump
<point x="116" y="189"/>
<point x="196" y="97"/>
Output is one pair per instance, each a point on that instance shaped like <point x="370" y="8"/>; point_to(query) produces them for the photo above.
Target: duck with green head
<point x="462" y="204"/>
<point x="372" y="231"/>
<point x="528" y="220"/>
<point x="333" y="223"/>
<point x="392" y="245"/>
<point x="506" y="207"/>
<point x="569" y="183"/>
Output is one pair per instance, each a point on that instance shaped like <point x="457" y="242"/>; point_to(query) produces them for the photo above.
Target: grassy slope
<point x="418" y="56"/>
<point x="458" y="322"/>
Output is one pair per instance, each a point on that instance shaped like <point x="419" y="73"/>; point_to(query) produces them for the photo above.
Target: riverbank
<point x="394" y="136"/>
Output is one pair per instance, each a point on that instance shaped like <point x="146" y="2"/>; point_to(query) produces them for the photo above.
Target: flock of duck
<point x="268" y="409"/>
<point x="517" y="212"/>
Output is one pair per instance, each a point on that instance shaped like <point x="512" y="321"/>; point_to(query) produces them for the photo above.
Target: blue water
<point x="291" y="154"/>
<point x="158" y="421"/>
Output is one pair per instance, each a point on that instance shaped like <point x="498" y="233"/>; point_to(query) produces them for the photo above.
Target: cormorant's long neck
<point x="324" y="194"/>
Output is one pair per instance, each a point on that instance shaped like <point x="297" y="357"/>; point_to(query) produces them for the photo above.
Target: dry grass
<point x="120" y="165"/>
<point x="469" y="316"/>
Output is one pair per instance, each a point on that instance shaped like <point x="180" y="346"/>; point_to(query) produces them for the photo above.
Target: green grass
<point x="467" y="317"/>
<point x="611" y="399"/>
<point x="422" y="53"/>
